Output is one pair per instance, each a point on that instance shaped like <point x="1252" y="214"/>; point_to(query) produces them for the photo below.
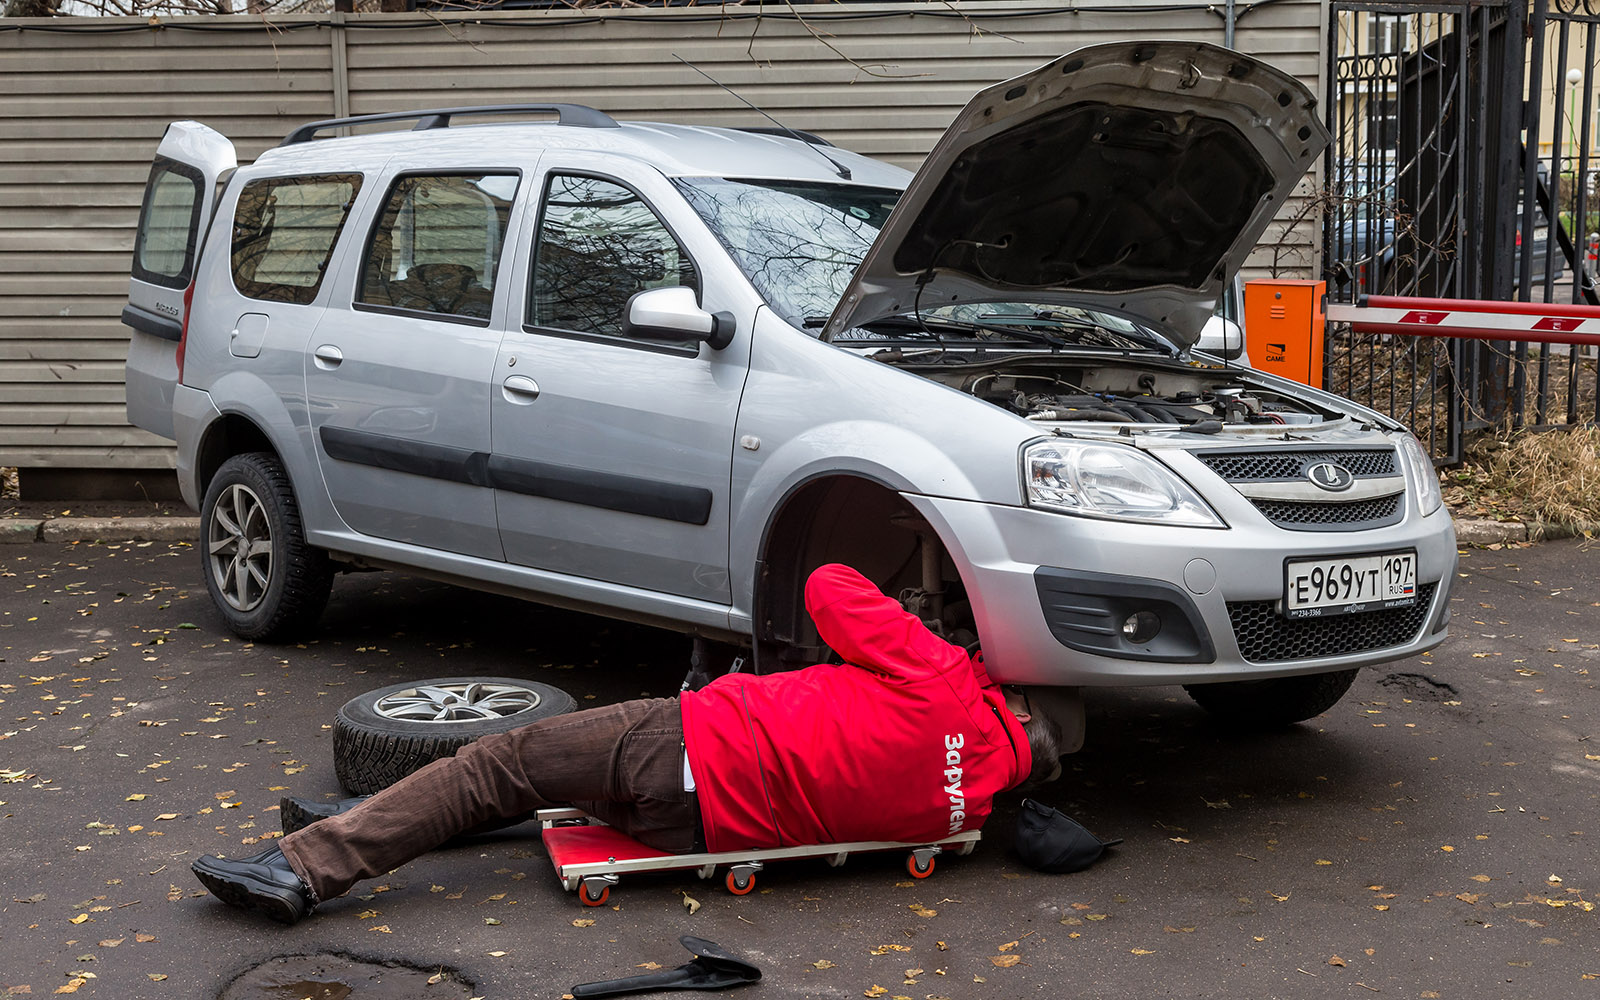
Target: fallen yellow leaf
<point x="80" y="918"/>
<point x="1139" y="951"/>
<point x="1005" y="961"/>
<point x="1336" y="960"/>
<point x="583" y="922"/>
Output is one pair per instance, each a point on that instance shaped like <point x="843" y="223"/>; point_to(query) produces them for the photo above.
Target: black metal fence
<point x="1432" y="191"/>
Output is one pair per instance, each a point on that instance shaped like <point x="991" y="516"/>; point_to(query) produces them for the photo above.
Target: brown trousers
<point x="620" y="763"/>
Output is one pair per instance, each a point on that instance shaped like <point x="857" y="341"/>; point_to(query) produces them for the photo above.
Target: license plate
<point x="1349" y="584"/>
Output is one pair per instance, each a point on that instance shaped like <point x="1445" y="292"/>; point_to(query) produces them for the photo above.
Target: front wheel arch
<point x="847" y="519"/>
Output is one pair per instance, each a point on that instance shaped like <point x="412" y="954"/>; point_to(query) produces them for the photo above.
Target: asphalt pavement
<point x="1433" y="835"/>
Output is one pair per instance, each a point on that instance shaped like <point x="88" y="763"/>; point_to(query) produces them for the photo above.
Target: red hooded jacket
<point x="907" y="740"/>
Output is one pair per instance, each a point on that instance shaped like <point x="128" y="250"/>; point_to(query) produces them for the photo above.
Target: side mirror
<point x="673" y="314"/>
<point x="1223" y="338"/>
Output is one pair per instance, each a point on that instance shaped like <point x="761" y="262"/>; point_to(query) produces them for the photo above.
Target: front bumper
<point x="1225" y="583"/>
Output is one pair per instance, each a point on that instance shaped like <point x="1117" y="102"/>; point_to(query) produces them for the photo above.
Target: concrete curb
<point x="99" y="529"/>
<point x="1487" y="531"/>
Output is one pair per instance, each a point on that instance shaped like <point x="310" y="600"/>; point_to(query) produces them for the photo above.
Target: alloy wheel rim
<point x="239" y="547"/>
<point x="465" y="701"/>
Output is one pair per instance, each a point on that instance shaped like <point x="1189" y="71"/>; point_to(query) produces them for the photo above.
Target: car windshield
<point x="798" y="242"/>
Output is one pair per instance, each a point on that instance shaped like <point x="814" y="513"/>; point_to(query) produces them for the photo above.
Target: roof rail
<point x="786" y="133"/>
<point x="568" y="114"/>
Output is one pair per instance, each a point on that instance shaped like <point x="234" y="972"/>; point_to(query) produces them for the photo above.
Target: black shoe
<point x="297" y="814"/>
<point x="263" y="883"/>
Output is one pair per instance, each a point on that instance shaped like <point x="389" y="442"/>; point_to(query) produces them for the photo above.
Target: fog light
<point x="1141" y="626"/>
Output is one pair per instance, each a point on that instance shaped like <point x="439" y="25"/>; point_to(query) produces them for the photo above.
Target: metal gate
<point x="1431" y="191"/>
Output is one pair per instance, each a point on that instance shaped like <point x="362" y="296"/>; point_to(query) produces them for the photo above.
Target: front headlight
<point x="1421" y="469"/>
<point x="1114" y="481"/>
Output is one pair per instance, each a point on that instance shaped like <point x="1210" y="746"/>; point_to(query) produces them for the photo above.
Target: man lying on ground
<point x="908" y="740"/>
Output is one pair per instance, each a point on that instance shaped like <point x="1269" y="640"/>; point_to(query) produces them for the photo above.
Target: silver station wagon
<point x="661" y="372"/>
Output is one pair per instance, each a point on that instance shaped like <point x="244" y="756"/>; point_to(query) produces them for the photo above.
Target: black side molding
<point x="607" y="490"/>
<point x="457" y="465"/>
<point x="154" y="324"/>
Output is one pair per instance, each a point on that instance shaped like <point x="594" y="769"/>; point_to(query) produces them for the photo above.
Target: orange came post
<point x="1283" y="325"/>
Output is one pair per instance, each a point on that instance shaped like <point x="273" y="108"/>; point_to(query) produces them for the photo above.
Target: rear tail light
<point x="183" y="336"/>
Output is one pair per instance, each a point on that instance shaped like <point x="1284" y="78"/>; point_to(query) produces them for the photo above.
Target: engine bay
<point x="1123" y="393"/>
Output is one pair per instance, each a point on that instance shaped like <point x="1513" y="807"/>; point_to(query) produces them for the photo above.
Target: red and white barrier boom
<point x="1548" y="323"/>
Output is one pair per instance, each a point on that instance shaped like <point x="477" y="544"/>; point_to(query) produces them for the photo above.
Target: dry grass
<point x="1551" y="476"/>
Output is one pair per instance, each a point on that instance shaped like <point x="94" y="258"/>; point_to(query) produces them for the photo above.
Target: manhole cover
<point x="338" y="977"/>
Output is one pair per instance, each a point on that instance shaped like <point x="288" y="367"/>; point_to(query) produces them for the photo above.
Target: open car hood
<point x="1130" y="178"/>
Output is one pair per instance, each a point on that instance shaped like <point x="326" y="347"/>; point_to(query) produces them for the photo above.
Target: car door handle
<point x="328" y="357"/>
<point x="520" y="389"/>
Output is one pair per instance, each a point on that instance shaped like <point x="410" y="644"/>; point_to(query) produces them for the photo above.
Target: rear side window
<point x="436" y="247"/>
<point x="163" y="251"/>
<point x="599" y="243"/>
<point x="284" y="231"/>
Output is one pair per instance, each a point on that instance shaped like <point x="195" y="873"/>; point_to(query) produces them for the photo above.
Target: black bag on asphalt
<point x="1050" y="841"/>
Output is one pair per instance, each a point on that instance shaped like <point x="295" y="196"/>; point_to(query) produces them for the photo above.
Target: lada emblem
<point x="1331" y="476"/>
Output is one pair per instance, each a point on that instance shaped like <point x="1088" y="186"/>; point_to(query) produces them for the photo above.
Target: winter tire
<point x="1278" y="701"/>
<point x="268" y="583"/>
<point x="383" y="735"/>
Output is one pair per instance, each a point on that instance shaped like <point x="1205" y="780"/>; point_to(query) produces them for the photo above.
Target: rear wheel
<point x="1277" y="701"/>
<point x="268" y="583"/>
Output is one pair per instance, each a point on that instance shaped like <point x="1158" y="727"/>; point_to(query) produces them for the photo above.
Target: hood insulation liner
<point x="1140" y="197"/>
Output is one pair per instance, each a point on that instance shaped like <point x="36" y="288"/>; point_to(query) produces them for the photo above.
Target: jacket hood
<point x="1131" y="178"/>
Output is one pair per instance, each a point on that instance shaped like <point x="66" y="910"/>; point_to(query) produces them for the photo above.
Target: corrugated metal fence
<point x="87" y="99"/>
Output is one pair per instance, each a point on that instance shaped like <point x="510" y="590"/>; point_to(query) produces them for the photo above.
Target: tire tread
<point x="307" y="573"/>
<point x="1278" y="701"/>
<point x="371" y="753"/>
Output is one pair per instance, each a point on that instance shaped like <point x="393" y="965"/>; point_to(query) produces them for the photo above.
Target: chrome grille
<point x="1256" y="467"/>
<point x="1264" y="636"/>
<point x="1350" y="515"/>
